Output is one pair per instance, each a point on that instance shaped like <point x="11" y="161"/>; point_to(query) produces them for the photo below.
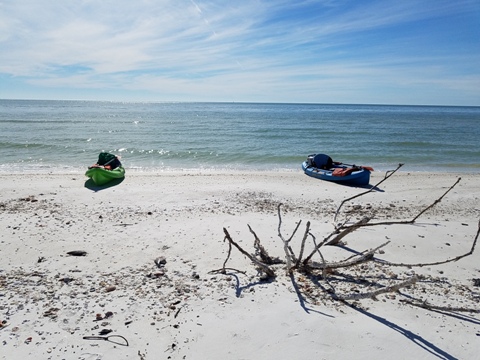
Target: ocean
<point x="66" y="136"/>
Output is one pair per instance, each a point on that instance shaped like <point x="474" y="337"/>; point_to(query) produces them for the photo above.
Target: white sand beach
<point x="152" y="244"/>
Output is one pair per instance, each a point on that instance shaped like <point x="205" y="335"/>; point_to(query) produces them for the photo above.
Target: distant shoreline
<point x="196" y="171"/>
<point x="239" y="102"/>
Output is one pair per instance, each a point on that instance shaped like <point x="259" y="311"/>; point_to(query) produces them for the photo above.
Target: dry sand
<point x="178" y="309"/>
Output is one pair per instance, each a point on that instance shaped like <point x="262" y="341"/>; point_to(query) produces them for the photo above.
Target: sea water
<point x="66" y="136"/>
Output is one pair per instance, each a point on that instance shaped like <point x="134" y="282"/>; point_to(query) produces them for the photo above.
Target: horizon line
<point x="234" y="102"/>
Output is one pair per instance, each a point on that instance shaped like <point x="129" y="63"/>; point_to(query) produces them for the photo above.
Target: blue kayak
<point x="322" y="167"/>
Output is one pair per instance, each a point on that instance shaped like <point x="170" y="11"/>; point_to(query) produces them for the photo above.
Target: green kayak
<point x="101" y="176"/>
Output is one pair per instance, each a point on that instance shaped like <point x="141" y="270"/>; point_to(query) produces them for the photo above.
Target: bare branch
<point x="311" y="268"/>
<point x="387" y="175"/>
<point x="302" y="247"/>
<point x="372" y="294"/>
<point x="324" y="270"/>
<point x="228" y="255"/>
<point x="262" y="252"/>
<point x="348" y="230"/>
<point x="335" y="241"/>
<point x="224" y="271"/>
<point x="367" y="256"/>
<point x="425" y="305"/>
<point x="263" y="266"/>
<point x="437" y="262"/>
<point x="404" y="222"/>
<point x="293" y="233"/>
<point x="289" y="255"/>
<point x="437" y="201"/>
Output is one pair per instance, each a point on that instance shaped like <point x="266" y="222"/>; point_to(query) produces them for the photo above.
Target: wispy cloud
<point x="251" y="50"/>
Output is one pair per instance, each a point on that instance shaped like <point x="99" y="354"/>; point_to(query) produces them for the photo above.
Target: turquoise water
<point x="59" y="136"/>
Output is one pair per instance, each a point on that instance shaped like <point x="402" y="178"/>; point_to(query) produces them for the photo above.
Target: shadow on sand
<point x="368" y="187"/>
<point x="90" y="184"/>
<point x="415" y="338"/>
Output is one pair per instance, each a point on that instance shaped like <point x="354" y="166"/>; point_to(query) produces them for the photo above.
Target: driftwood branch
<point x="324" y="270"/>
<point x="367" y="256"/>
<point x="348" y="230"/>
<point x="289" y="254"/>
<point x="224" y="269"/>
<point x="263" y="261"/>
<point x="261" y="265"/>
<point x="426" y="305"/>
<point x="456" y="258"/>
<point x="403" y="222"/>
<point x="436" y="201"/>
<point x="302" y="247"/>
<point x="262" y="252"/>
<point x="339" y="235"/>
<point x="373" y="294"/>
<point x="387" y="175"/>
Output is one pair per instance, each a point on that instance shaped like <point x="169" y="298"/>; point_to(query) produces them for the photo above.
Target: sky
<point x="410" y="52"/>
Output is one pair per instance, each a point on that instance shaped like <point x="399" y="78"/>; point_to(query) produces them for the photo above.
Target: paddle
<point x="369" y="168"/>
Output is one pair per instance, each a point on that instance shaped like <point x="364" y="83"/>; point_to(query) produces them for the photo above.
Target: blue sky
<point x="424" y="52"/>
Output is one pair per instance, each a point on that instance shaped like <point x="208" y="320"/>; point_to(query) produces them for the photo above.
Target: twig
<point x="286" y="247"/>
<point x="287" y="242"/>
<point x="387" y="175"/>
<point x="261" y="251"/>
<point x="425" y="305"/>
<point x="367" y="256"/>
<point x="302" y="246"/>
<point x="472" y="249"/>
<point x="404" y="222"/>
<point x="324" y="271"/>
<point x="335" y="241"/>
<point x="228" y="254"/>
<point x="224" y="271"/>
<point x="176" y="313"/>
<point x="374" y="293"/>
<point x="437" y="201"/>
<point x="263" y="266"/>
<point x="348" y="230"/>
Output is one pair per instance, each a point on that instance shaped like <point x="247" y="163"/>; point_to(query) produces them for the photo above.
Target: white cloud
<point x="217" y="49"/>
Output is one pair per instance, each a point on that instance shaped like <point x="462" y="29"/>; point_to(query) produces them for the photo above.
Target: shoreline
<point x="235" y="170"/>
<point x="180" y="310"/>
